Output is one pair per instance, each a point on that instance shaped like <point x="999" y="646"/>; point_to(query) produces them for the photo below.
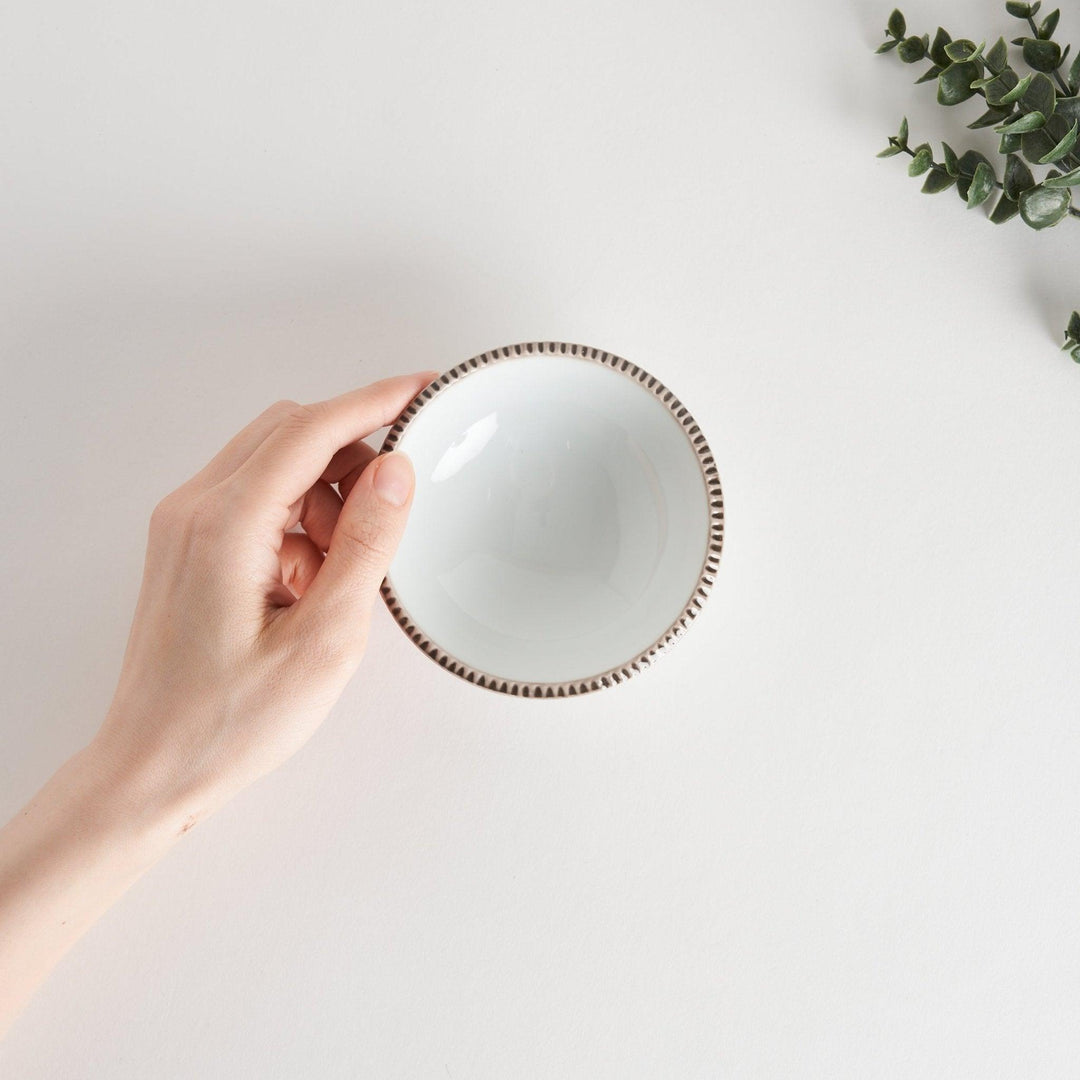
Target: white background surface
<point x="834" y="833"/>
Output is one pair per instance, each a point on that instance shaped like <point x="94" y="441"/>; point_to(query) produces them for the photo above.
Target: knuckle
<point x="284" y="407"/>
<point x="164" y="516"/>
<point x="303" y="414"/>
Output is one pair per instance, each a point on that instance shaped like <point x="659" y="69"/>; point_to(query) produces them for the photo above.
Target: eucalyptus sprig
<point x="1072" y="337"/>
<point x="1037" y="115"/>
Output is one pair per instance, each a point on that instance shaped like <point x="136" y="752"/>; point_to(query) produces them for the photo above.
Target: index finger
<point x="295" y="454"/>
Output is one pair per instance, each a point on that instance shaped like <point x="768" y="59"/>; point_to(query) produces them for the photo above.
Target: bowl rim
<point x="710" y="564"/>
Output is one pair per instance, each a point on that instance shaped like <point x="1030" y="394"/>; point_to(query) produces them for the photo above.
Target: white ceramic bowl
<point x="567" y="521"/>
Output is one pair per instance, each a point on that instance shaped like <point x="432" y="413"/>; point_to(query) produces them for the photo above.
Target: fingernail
<point x="394" y="479"/>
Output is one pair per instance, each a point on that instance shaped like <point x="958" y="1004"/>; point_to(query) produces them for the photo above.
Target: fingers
<point x="317" y="512"/>
<point x="339" y="601"/>
<point x="301" y="561"/>
<point x="349" y="459"/>
<point x="240" y="447"/>
<point x="297" y="452"/>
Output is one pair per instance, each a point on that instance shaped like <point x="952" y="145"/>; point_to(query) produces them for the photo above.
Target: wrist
<point x="134" y="798"/>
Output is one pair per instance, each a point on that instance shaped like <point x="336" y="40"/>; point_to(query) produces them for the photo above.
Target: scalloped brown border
<point x="709" y="567"/>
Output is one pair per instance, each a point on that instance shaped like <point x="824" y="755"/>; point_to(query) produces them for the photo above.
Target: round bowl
<point x="567" y="521"/>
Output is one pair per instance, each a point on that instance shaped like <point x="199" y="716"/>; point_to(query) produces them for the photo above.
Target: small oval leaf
<point x="1040" y="96"/>
<point x="1031" y="121"/>
<point x="911" y="50"/>
<point x="1049" y="24"/>
<point x="937" y="179"/>
<point x="1034" y="144"/>
<point x="922" y="161"/>
<point x="997" y="57"/>
<point x="1000" y="86"/>
<point x="991" y="117"/>
<point x="1070" y="179"/>
<point x="1041" y="207"/>
<point x="1042" y="55"/>
<point x="954" y="83"/>
<point x="1018" y="178"/>
<point x="982" y="183"/>
<point x="1063" y="148"/>
<point x="937" y="49"/>
<point x="1004" y="211"/>
<point x="1017" y="92"/>
<point x="961" y="49"/>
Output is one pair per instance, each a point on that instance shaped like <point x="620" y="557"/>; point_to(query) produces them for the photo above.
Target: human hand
<point x="245" y="633"/>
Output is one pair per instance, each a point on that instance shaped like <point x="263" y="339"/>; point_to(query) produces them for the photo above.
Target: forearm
<point x="65" y="858"/>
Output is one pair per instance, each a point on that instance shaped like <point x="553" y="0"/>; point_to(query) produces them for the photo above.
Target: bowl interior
<point x="560" y="522"/>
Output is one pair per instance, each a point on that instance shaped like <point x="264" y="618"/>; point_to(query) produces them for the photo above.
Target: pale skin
<point x="244" y="636"/>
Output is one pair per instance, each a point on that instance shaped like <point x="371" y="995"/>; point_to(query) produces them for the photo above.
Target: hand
<point x="245" y="633"/>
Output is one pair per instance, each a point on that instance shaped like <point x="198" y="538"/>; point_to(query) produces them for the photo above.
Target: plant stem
<point x="934" y="165"/>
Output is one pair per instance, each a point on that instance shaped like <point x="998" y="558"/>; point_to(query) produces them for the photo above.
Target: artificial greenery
<point x="1072" y="337"/>
<point x="1037" y="115"/>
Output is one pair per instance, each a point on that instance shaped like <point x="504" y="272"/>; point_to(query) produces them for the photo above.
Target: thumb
<point x="368" y="530"/>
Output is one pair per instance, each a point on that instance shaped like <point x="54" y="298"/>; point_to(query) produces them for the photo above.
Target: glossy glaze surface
<point x="560" y="521"/>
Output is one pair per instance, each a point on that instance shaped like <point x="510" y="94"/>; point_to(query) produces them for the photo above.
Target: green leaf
<point x="1070" y="179"/>
<point x="1042" y="55"/>
<point x="885" y="46"/>
<point x="937" y="49"/>
<point x="997" y="59"/>
<point x="902" y="135"/>
<point x="897" y="25"/>
<point x="1017" y="92"/>
<point x="937" y="179"/>
<point x="1068" y="109"/>
<point x="890" y="151"/>
<point x="1063" y="148"/>
<point x="1010" y="144"/>
<point x="1073" y="329"/>
<point x="929" y="75"/>
<point x="1031" y="121"/>
<point x="1075" y="354"/>
<point x="1021" y="11"/>
<point x="911" y="50"/>
<point x="1035" y="8"/>
<point x="1073" y="78"/>
<point x="1034" y="144"/>
<point x="950" y="162"/>
<point x="967" y="165"/>
<point x="1049" y="24"/>
<point x="1018" y="178"/>
<point x="982" y="183"/>
<point x="922" y="161"/>
<point x="1040" y="96"/>
<point x="991" y="117"/>
<point x="962" y="49"/>
<point x="1041" y="207"/>
<point x="1004" y="210"/>
<point x="954" y="83"/>
<point x="1000" y="85"/>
